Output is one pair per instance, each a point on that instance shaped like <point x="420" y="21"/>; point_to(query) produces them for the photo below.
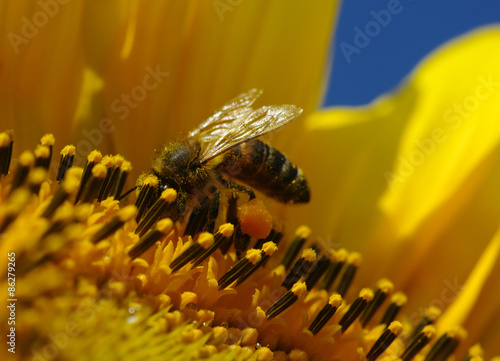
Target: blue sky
<point x="378" y="42"/>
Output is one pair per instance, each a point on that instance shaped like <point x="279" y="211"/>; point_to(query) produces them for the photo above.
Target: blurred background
<point x="374" y="51"/>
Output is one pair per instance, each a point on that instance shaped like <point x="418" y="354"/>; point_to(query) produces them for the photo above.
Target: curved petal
<point x="154" y="69"/>
<point x="480" y="291"/>
<point x="41" y="68"/>
<point x="418" y="219"/>
<point x="451" y="129"/>
<point x="175" y="62"/>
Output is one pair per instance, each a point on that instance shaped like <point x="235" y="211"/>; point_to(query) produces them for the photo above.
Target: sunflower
<point x="91" y="274"/>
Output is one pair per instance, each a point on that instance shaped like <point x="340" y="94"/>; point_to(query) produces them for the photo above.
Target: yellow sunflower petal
<point x="42" y="64"/>
<point x="445" y="210"/>
<point x="462" y="306"/>
<point x="452" y="127"/>
<point x="344" y="163"/>
<point x="174" y="63"/>
<point x="371" y="137"/>
<point x="447" y="158"/>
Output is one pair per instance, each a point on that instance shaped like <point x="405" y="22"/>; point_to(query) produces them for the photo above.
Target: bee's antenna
<point x="127" y="193"/>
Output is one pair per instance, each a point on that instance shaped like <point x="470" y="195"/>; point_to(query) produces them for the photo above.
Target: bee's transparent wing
<point x="238" y="108"/>
<point x="247" y="125"/>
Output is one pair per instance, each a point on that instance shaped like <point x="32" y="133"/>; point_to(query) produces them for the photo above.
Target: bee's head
<point x="177" y="162"/>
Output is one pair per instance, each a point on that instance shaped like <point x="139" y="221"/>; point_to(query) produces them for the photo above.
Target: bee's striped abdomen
<point x="268" y="170"/>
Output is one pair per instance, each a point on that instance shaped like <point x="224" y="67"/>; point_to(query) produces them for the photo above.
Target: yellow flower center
<point x="101" y="279"/>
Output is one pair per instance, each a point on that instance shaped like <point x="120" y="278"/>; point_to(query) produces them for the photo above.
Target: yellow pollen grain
<point x="249" y="336"/>
<point x="366" y="294"/>
<point x="355" y="259"/>
<point x="399" y="299"/>
<point x="299" y="288"/>
<point x="108" y="161"/>
<point x="263" y="354"/>
<point x="219" y="335"/>
<point x="207" y="351"/>
<point x="83" y="211"/>
<point x="150" y="181"/>
<point x="75" y="172"/>
<point x="248" y="352"/>
<point x="17" y="201"/>
<point x="26" y="159"/>
<point x="259" y="314"/>
<point x="433" y="312"/>
<point x="118" y="288"/>
<point x="68" y="150"/>
<point x="165" y="225"/>
<point x="335" y="300"/>
<point x="226" y="229"/>
<point x="70" y="183"/>
<point x="127" y="166"/>
<point x="192" y="335"/>
<point x="341" y="255"/>
<point x="309" y="254"/>
<point x="164" y="301"/>
<point x="187" y="298"/>
<point x="298" y="355"/>
<point x="37" y="176"/>
<point x="206" y="316"/>
<point x="236" y="349"/>
<point x="48" y="140"/>
<point x="476" y="350"/>
<point x="4" y="140"/>
<point x="94" y="156"/>
<point x="64" y="212"/>
<point x="139" y="262"/>
<point x="385" y="285"/>
<point x="458" y="333"/>
<point x="99" y="171"/>
<point x="269" y="248"/>
<point x="254" y="255"/>
<point x="127" y="213"/>
<point x="42" y="151"/>
<point x="118" y="160"/>
<point x="206" y="240"/>
<point x="303" y="232"/>
<point x="169" y="195"/>
<point x="396" y="327"/>
<point x="429" y="331"/>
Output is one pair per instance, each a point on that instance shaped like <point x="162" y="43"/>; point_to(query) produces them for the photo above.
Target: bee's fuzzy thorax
<point x="177" y="165"/>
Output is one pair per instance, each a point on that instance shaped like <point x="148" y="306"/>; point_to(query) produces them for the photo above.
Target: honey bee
<point x="224" y="148"/>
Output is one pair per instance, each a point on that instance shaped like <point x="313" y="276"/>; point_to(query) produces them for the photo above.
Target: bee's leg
<point x="198" y="218"/>
<point x="239" y="239"/>
<point x="240" y="188"/>
<point x="204" y="216"/>
<point x="213" y="213"/>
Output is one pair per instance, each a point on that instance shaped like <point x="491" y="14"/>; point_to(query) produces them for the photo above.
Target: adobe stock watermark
<point x="363" y="35"/>
<point x="121" y="106"/>
<point x="407" y="165"/>
<point x="460" y="111"/>
<point x="453" y="118"/>
<point x="30" y="26"/>
<point x="223" y="6"/>
<point x="85" y="314"/>
<point x="137" y="94"/>
<point x="448" y="294"/>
